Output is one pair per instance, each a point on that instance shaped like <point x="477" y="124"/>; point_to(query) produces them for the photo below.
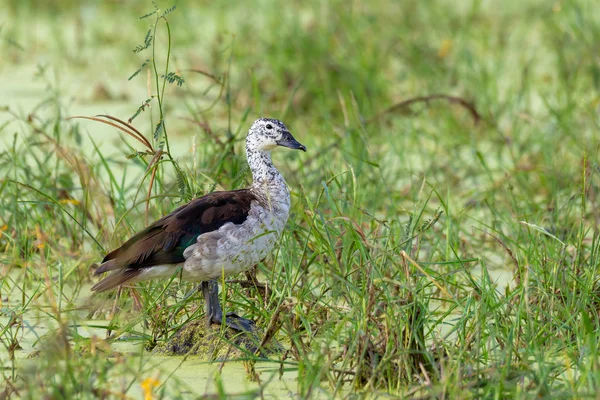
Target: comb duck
<point x="219" y="234"/>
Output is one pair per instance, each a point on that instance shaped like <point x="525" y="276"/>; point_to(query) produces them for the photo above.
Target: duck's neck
<point x="263" y="170"/>
<point x="267" y="182"/>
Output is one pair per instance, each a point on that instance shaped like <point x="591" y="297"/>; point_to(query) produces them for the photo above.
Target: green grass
<point x="428" y="253"/>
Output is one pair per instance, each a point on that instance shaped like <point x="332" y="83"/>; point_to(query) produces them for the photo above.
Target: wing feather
<point x="164" y="241"/>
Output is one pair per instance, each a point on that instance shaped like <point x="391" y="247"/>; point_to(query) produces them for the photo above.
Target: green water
<point x="190" y="375"/>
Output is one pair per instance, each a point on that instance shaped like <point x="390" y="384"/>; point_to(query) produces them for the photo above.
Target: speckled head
<point x="268" y="133"/>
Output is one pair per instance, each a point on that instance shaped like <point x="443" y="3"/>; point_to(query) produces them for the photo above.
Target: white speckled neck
<point x="267" y="183"/>
<point x="263" y="170"/>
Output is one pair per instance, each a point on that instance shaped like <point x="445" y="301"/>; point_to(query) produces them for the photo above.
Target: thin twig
<point x="451" y="99"/>
<point x="207" y="74"/>
<point x="144" y="142"/>
<point x="142" y="137"/>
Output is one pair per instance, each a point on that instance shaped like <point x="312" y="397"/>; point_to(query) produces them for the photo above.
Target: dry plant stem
<point x="426" y="99"/>
<point x="274" y="326"/>
<point x="132" y="132"/>
<point x="128" y="125"/>
<point x="114" y="309"/>
<point x="207" y="74"/>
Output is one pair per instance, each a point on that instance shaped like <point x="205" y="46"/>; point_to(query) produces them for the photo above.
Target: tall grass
<point x="435" y="248"/>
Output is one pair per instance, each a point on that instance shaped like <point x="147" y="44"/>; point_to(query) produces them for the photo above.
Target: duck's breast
<point x="235" y="248"/>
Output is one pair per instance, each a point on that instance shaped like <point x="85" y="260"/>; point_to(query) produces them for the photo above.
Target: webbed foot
<point x="234" y="321"/>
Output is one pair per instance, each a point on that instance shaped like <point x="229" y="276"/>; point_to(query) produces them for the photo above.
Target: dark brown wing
<point x="165" y="240"/>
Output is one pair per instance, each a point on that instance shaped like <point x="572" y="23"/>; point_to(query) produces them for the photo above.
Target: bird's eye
<point x="269" y="126"/>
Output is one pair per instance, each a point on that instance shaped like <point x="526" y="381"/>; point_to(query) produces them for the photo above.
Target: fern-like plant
<point x="158" y="147"/>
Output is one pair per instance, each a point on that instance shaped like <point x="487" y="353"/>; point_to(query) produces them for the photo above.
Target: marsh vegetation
<point x="444" y="238"/>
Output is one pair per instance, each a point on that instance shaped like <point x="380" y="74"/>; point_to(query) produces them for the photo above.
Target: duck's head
<point x="268" y="133"/>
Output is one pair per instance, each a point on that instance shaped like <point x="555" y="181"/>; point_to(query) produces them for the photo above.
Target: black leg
<point x="212" y="308"/>
<point x="214" y="314"/>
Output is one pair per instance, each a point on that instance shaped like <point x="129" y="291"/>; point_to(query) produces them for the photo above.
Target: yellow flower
<point x="147" y="385"/>
<point x="445" y="48"/>
<point x="69" y="201"/>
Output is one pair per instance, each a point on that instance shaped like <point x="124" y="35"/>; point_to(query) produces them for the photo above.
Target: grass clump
<point x="443" y="240"/>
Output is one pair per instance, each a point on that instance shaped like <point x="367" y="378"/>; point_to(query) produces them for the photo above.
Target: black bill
<point x="287" y="140"/>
